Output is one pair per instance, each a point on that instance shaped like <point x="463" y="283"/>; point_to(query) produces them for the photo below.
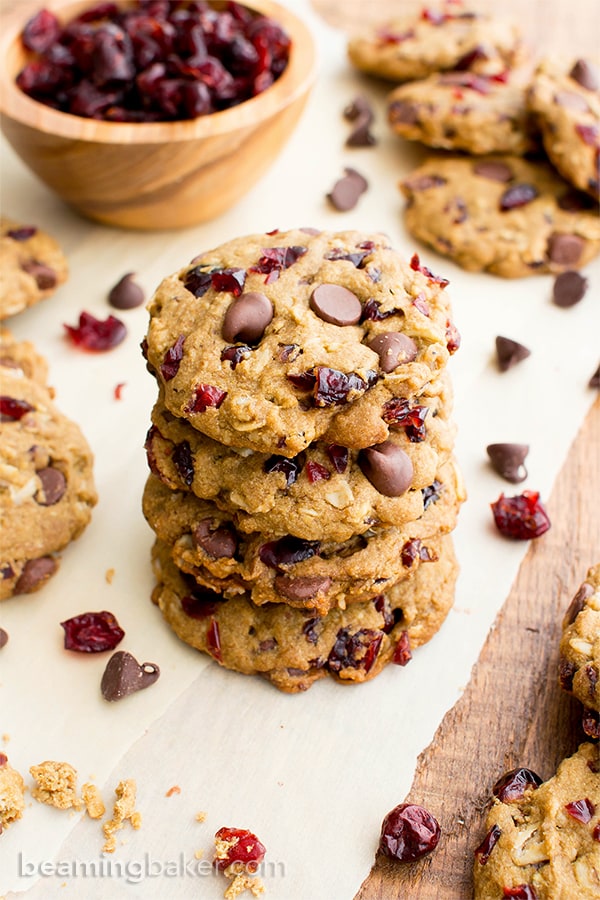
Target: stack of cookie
<point x="302" y="485"/>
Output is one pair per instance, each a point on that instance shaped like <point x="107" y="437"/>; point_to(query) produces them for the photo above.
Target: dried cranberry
<point x="92" y="632"/>
<point x="415" y="264"/>
<point x="213" y="640"/>
<point x="372" y="312"/>
<point x="409" y="832"/>
<point x="588" y="134"/>
<point x="581" y="810"/>
<point x="520" y="892"/>
<point x="275" y="259"/>
<point x="332" y="388"/>
<point x="596" y="833"/>
<point x="482" y="853"/>
<point x="287" y="551"/>
<point x="517" y="195"/>
<point x="521" y="517"/>
<point x="172" y="359"/>
<point x="304" y="381"/>
<point x="41" y="31"/>
<point x="398" y="412"/>
<point x="235" y="355"/>
<point x="431" y="493"/>
<point x="315" y="472"/>
<point x="241" y="848"/>
<point x="415" y="549"/>
<point x="205" y="397"/>
<point x="382" y="605"/>
<point x="183" y="461"/>
<point x="291" y="468"/>
<point x="357" y="259"/>
<point x="230" y="280"/>
<point x="402" y="652"/>
<point x="94" y="335"/>
<point x="12" y="409"/>
<point x="452" y="337"/>
<point x="200" y="603"/>
<point x="420" y="303"/>
<point x="354" y="651"/>
<point x="338" y="456"/>
<point x="197" y="281"/>
<point x="308" y="630"/>
<point x="513" y="784"/>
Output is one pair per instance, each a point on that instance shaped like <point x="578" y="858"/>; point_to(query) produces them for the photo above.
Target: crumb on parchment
<point x="243" y="882"/>
<point x="56" y="784"/>
<point x="109" y="575"/>
<point x="201" y="816"/>
<point x="92" y="798"/>
<point x="124" y="809"/>
<point x="173" y="790"/>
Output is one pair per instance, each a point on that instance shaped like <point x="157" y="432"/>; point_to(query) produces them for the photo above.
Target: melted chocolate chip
<point x="508" y="460"/>
<point x="303" y="588"/>
<point x="569" y="288"/>
<point x="220" y="542"/>
<point x="495" y="171"/>
<point x="54" y="485"/>
<point x="3" y="638"/>
<point x="346" y="191"/>
<point x="44" y="276"/>
<point x="565" y="249"/>
<point x="403" y="112"/>
<point x="387" y="467"/>
<point x="586" y="74"/>
<point x="124" y="675"/>
<point x="336" y="304"/>
<point x="247" y="317"/>
<point x="126" y="294"/>
<point x="35" y="573"/>
<point x="393" y="349"/>
<point x="510" y="353"/>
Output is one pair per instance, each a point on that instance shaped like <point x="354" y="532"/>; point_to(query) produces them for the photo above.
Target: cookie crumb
<point x="201" y="816"/>
<point x="173" y="790"/>
<point x="56" y="784"/>
<point x="92" y="799"/>
<point x="243" y="882"/>
<point x="124" y="809"/>
<point x="199" y="854"/>
<point x="110" y="574"/>
<point x="12" y="793"/>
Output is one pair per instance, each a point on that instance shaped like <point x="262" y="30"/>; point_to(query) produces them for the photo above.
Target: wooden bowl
<point x="155" y="175"/>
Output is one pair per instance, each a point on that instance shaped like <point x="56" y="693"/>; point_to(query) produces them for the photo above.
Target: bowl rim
<point x="295" y="81"/>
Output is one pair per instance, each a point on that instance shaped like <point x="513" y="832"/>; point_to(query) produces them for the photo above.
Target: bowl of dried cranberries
<point x="153" y="114"/>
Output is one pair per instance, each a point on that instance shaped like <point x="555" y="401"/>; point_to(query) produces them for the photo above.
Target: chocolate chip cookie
<point x="543" y="839"/>
<point x="12" y="793"/>
<point x="566" y="102"/>
<point x="462" y="110"/>
<point x="273" y="341"/>
<point x="285" y="569"/>
<point x="23" y="358"/>
<point x="450" y="36"/>
<point x="501" y="214"/>
<point x="325" y="492"/>
<point x="46" y="483"/>
<point x="579" y="667"/>
<point x="32" y="266"/>
<point x="295" y="647"/>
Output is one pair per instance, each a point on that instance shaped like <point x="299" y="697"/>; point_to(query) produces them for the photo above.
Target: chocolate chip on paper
<point x="126" y="294"/>
<point x="124" y="675"/>
<point x="3" y="638"/>
<point x="586" y="74"/>
<point x="508" y="460"/>
<point x="569" y="288"/>
<point x="346" y="191"/>
<point x="360" y="112"/>
<point x="594" y="381"/>
<point x="510" y="353"/>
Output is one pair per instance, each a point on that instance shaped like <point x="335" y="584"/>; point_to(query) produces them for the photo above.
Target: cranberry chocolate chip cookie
<point x="566" y="102"/>
<point x="501" y="214"/>
<point x="318" y="575"/>
<point x="32" y="266"/>
<point x="462" y="110"/>
<point x="436" y="38"/>
<point x="542" y="840"/>
<point x="579" y="667"/>
<point x="291" y="647"/>
<point x="273" y="341"/>
<point x="46" y="481"/>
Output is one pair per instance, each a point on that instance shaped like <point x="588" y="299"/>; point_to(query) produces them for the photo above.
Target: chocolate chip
<point x="403" y="112"/>
<point x="360" y="112"/>
<point x="303" y="588"/>
<point x="495" y="171"/>
<point x="54" y="485"/>
<point x="126" y="294"/>
<point x="347" y="190"/>
<point x="220" y="542"/>
<point x="358" y="108"/>
<point x="35" y="573"/>
<point x="336" y="304"/>
<point x="594" y="381"/>
<point x="393" y="349"/>
<point x="569" y="288"/>
<point x="247" y="317"/>
<point x="423" y="182"/>
<point x="586" y="74"/>
<point x="578" y="602"/>
<point x="44" y="276"/>
<point x="508" y="460"/>
<point x="565" y="249"/>
<point x="571" y="100"/>
<point x="3" y="638"/>
<point x="509" y="353"/>
<point x="124" y="675"/>
<point x="387" y="467"/>
<point x="22" y="234"/>
<point x="517" y="195"/>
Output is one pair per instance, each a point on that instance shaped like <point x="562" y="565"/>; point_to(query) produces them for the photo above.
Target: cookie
<point x="452" y="36"/>
<point x="273" y="341"/>
<point x="315" y="575"/>
<point x="579" y="667"/>
<point x="46" y="483"/>
<point x="12" y="793"/>
<point x="464" y="111"/>
<point x="23" y="358"/>
<point x="32" y="266"/>
<point x="544" y="838"/>
<point x="325" y="493"/>
<point x="566" y="102"/>
<point x="501" y="214"/>
<point x="292" y="648"/>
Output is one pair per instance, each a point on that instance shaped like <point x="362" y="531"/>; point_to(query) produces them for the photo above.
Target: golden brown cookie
<point x="32" y="266"/>
<point x="12" y="793"/>
<point x="579" y="667"/>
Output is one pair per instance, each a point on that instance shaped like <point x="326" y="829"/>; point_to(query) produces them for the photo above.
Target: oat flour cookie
<point x="566" y="101"/>
<point x="579" y="668"/>
<point x="501" y="214"/>
<point x="450" y="36"/>
<point x="294" y="647"/>
<point x="46" y="483"/>
<point x="32" y="266"/>
<point x="12" y="793"/>
<point x="546" y="840"/>
<point x="275" y="340"/>
<point x="464" y="111"/>
<point x="23" y="358"/>
<point x="316" y="575"/>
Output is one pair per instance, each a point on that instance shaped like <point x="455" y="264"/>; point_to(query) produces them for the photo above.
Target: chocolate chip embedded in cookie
<point x="270" y="341"/>
<point x="464" y="111"/>
<point x="295" y="647"/>
<point x="32" y="266"/>
<point x="566" y="102"/>
<point x="501" y="214"/>
<point x="448" y="36"/>
<point x="542" y="840"/>
<point x="579" y="667"/>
